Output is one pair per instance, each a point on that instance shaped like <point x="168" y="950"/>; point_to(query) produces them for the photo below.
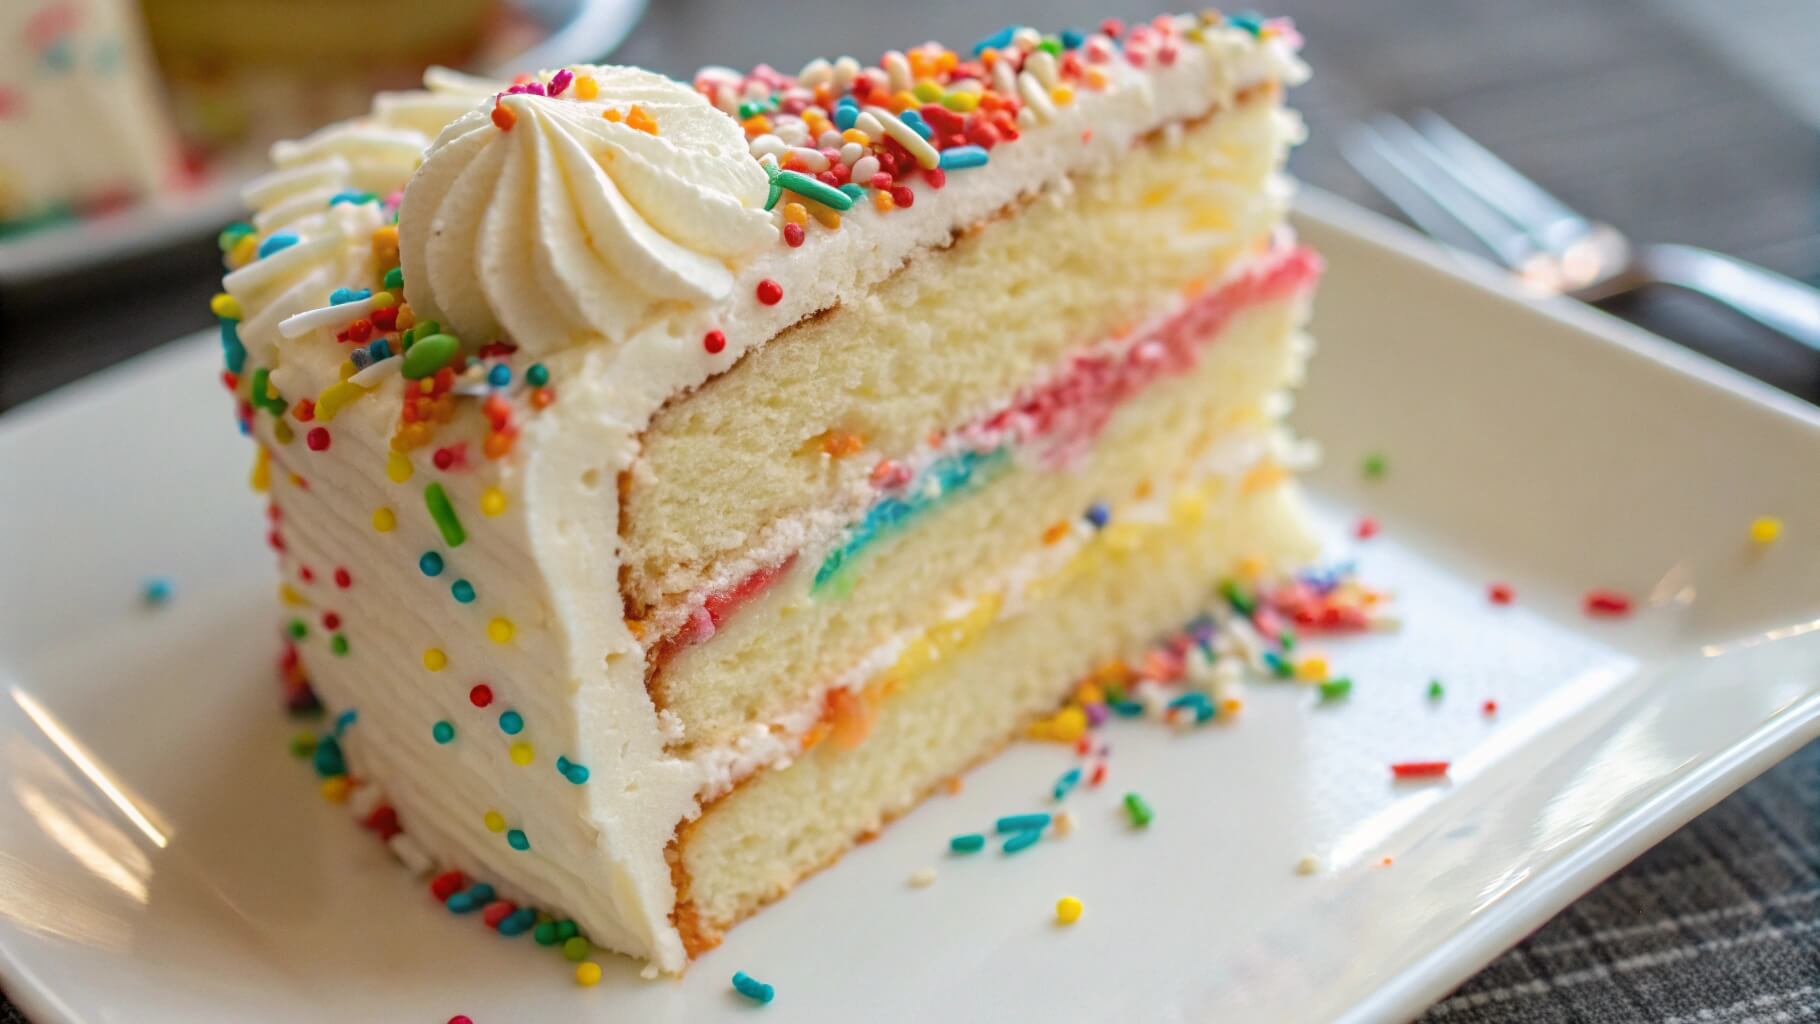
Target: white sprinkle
<point x="792" y="132"/>
<point x="1308" y="865"/>
<point x="846" y="69"/>
<point x="768" y="145"/>
<point x="813" y="159"/>
<point x="830" y="139"/>
<point x="370" y="377"/>
<point x="816" y="72"/>
<point x="410" y="854"/>
<point x="1026" y="118"/>
<point x="872" y="126"/>
<point x="757" y="91"/>
<point x="1004" y="78"/>
<point x="336" y="317"/>
<point x="897" y="71"/>
<point x="1036" y="98"/>
<point x="363" y="800"/>
<point x="851" y="152"/>
<point x="906" y="137"/>
<point x="1026" y="38"/>
<point x="972" y="85"/>
<point x="726" y="97"/>
<point x="1042" y="65"/>
<point x="922" y="878"/>
<point x="864" y="168"/>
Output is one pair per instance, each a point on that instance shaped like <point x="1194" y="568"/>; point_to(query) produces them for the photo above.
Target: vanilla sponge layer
<point x="795" y="640"/>
<point x="739" y="472"/>
<point x="751" y="846"/>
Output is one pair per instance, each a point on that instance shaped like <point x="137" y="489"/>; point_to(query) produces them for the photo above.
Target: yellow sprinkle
<point x="297" y="481"/>
<point x="495" y="821"/>
<point x="1312" y="669"/>
<point x="492" y="501"/>
<point x="225" y="306"/>
<point x="330" y="401"/>
<point x="522" y="753"/>
<point x="795" y="213"/>
<point x="281" y="432"/>
<point x="586" y="88"/>
<point x="1250" y="567"/>
<point x="1765" y="529"/>
<point x="826" y="216"/>
<point x="882" y="200"/>
<point x="383" y="300"/>
<point x="927" y="91"/>
<point x="347" y="369"/>
<point x="613" y="115"/>
<point x="1068" y="910"/>
<point x="500" y="630"/>
<point x="289" y="595"/>
<point x="397" y="467"/>
<point x="261" y="478"/>
<point x="243" y="252"/>
<point x="335" y="790"/>
<point x="435" y="660"/>
<point x="637" y="118"/>
<point x="1062" y="95"/>
<point x="1231" y="706"/>
<point x="384" y="520"/>
<point x="855" y="135"/>
<point x="587" y="974"/>
<point x="961" y="102"/>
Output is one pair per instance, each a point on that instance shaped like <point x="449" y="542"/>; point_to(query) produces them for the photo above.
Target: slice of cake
<point x="674" y="483"/>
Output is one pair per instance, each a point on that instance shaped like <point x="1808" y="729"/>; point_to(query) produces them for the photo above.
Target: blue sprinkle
<point x="381" y="349"/>
<point x="576" y="773"/>
<point x="430" y="563"/>
<point x="753" y="989"/>
<point x="1250" y="21"/>
<point x="1022" y="823"/>
<point x="276" y="243"/>
<point x="845" y="115"/>
<point x="996" y="41"/>
<point x="352" y="197"/>
<point x="463" y="591"/>
<point x="847" y="100"/>
<point x="1072" y="38"/>
<point x="500" y="375"/>
<point x="511" y="723"/>
<point x="341" y="296"/>
<point x="232" y="351"/>
<point x="1199" y="703"/>
<point x="459" y="903"/>
<point x="916" y="123"/>
<point x="157" y="590"/>
<point x="361" y="358"/>
<point x="345" y="719"/>
<point x="517" y="840"/>
<point x="482" y="892"/>
<point x="1099" y="515"/>
<point x="1070" y="779"/>
<point x="327" y="758"/>
<point x="957" y="158"/>
<point x="1022" y="841"/>
<point x="517" y="922"/>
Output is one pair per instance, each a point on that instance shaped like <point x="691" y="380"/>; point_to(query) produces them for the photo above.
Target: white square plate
<point x="163" y="859"/>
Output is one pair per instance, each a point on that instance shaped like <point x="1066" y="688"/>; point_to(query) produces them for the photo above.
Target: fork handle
<point x="1779" y="303"/>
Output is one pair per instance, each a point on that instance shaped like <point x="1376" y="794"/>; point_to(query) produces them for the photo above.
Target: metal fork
<point x="1459" y="192"/>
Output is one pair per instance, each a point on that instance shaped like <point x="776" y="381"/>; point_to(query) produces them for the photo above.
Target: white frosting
<point x="609" y="252"/>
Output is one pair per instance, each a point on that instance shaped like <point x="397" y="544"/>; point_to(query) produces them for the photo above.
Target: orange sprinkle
<point x="795" y="213"/>
<point x="840" y="444"/>
<point x="1055" y="532"/>
<point x="756" y="125"/>
<point x="504" y="118"/>
<point x="542" y="397"/>
<point x="954" y="785"/>
<point x="1231" y="706"/>
<point x="612" y="114"/>
<point x="882" y="200"/>
<point x="640" y="120"/>
<point x="851" y="716"/>
<point x="498" y="444"/>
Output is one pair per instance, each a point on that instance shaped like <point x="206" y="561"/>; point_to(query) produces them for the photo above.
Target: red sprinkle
<point x="1367" y="528"/>
<point x="461" y="1018"/>
<point x="305" y="572"/>
<point x="714" y="341"/>
<point x="1502" y="594"/>
<point x="343" y="579"/>
<point x="331" y="621"/>
<point x="318" y="439"/>
<point x="1608" y="603"/>
<point x="1490" y="707"/>
<point x="447" y="884"/>
<point x="497" y="911"/>
<point x="1098" y="776"/>
<point x="903" y="197"/>
<point x="793" y="235"/>
<point x="1419" y="769"/>
<point x="770" y="292"/>
<point x="481" y="695"/>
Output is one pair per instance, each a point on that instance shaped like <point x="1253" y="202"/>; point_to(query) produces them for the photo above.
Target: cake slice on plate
<point x="673" y="483"/>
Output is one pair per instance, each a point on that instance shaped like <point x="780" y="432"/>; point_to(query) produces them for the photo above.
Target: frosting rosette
<point x="552" y="220"/>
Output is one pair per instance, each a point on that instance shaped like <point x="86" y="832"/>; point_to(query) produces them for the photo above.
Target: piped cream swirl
<point x="567" y="226"/>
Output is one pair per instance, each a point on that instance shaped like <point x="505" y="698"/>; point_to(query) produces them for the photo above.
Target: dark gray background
<point x="1677" y="120"/>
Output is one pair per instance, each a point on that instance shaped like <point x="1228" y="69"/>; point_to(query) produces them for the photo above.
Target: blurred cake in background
<point x="83" y="125"/>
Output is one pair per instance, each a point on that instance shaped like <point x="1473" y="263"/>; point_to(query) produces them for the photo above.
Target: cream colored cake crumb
<point x="1308" y="865"/>
<point x="922" y="878"/>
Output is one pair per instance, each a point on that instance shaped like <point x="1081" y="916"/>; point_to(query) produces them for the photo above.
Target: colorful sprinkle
<point x="1435" y="689"/>
<point x="1375" y="466"/>
<point x="1068" y="910"/>
<point x="1419" y="769"/>
<point x="435" y="660"/>
<point x="1501" y="593"/>
<point x="1607" y="603"/>
<point x="463" y="591"/>
<point x="157" y="590"/>
<point x="1336" y="689"/>
<point x="492" y="502"/>
<point x="442" y="732"/>
<point x="576" y="948"/>
<point x="511" y="723"/>
<point x="1138" y="811"/>
<point x="1765" y="530"/>
<point x="494" y="821"/>
<point x="770" y="292"/>
<point x="1020" y="841"/>
<point x="971" y="842"/>
<point x="430" y="563"/>
<point x="753" y="989"/>
<point x="500" y="630"/>
<point x="517" y="840"/>
<point x="587" y="974"/>
<point x="714" y="342"/>
<point x="1021" y="823"/>
<point x="443" y="514"/>
<point x="522" y="753"/>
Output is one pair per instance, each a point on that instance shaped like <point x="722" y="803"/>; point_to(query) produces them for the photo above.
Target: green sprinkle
<point x="1435" y="689"/>
<point x="809" y="188"/>
<point x="971" y="842"/>
<point x="1237" y="598"/>
<point x="442" y="732"/>
<point x="1021" y="822"/>
<point x="1022" y="841"/>
<point x="1286" y="639"/>
<point x="444" y="515"/>
<point x="338" y="644"/>
<point x="1375" y="466"/>
<point x="566" y="930"/>
<point x="545" y="933"/>
<point x="575" y="947"/>
<point x="1138" y="811"/>
<point x="1335" y="689"/>
<point x="303" y="744"/>
<point x="394" y="279"/>
<point x="537" y="375"/>
<point x="428" y="354"/>
<point x="297" y="629"/>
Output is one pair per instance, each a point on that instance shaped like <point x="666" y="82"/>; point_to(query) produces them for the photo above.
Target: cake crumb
<point x="922" y="878"/>
<point x="1062" y="824"/>
<point x="1308" y="865"/>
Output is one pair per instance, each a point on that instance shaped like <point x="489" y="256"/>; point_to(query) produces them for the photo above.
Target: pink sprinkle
<point x="560" y="81"/>
<point x="1367" y="528"/>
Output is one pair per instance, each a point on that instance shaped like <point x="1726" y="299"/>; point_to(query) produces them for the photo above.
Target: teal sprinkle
<point x="1196" y="701"/>
<point x="327" y="758"/>
<point x="463" y="591"/>
<point x="996" y="41"/>
<point x="1021" y="823"/>
<point x="511" y="723"/>
<point x="430" y="563"/>
<point x="276" y="244"/>
<point x="537" y="375"/>
<point x="1127" y="708"/>
<point x="517" y="922"/>
<point x="971" y="842"/>
<point x="949" y="476"/>
<point x="809" y="188"/>
<point x="1064" y="785"/>
<point x="345" y="719"/>
<point x="1250" y="21"/>
<point x="442" y="732"/>
<point x="517" y="840"/>
<point x="233" y="353"/>
<point x="1021" y="841"/>
<point x="1072" y="38"/>
<point x="232" y="234"/>
<point x="1279" y="666"/>
<point x="753" y="989"/>
<point x="352" y="197"/>
<point x="856" y="191"/>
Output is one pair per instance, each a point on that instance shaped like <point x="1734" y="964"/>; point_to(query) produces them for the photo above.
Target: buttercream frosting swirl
<point x="553" y="223"/>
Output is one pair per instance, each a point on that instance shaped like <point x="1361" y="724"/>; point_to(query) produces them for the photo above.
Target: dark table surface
<point x="1624" y="108"/>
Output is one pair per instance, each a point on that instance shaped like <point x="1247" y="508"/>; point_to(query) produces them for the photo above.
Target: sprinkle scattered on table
<point x="1138" y="811"/>
<point x="1490" y="708"/>
<point x="1375" y="466"/>
<point x="922" y="878"/>
<point x="1435" y="690"/>
<point x="1607" y="603"/>
<point x="1419" y="769"/>
<point x="1308" y="865"/>
<point x="1765" y="529"/>
<point x="753" y="989"/>
<point x="587" y="974"/>
<point x="1067" y="910"/>
<point x="1367" y="528"/>
<point x="157" y="590"/>
<point x="1501" y="593"/>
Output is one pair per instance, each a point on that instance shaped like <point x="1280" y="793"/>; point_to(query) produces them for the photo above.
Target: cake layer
<point x="776" y="453"/>
<point x="752" y="845"/>
<point x="822" y="618"/>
